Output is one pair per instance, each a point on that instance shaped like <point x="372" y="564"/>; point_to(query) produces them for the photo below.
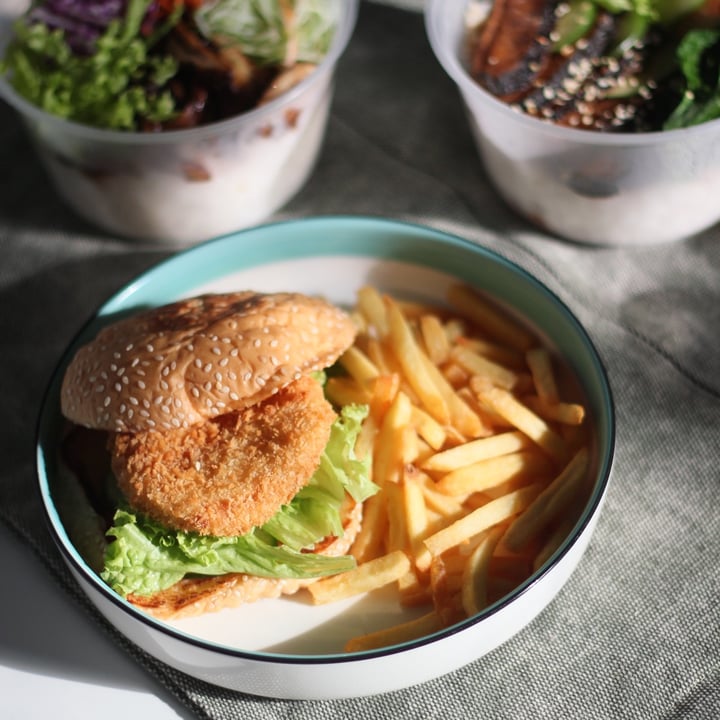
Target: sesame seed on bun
<point x="196" y="359"/>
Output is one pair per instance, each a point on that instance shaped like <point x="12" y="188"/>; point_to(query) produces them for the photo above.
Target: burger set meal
<point x="238" y="446"/>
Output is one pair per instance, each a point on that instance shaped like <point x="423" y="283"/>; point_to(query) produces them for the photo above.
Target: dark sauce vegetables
<point x="606" y="65"/>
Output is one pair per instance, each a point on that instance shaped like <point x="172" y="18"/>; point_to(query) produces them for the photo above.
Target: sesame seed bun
<point x="196" y="359"/>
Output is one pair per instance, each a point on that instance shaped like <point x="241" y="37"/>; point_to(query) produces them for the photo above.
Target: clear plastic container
<point x="185" y="186"/>
<point x="586" y="186"/>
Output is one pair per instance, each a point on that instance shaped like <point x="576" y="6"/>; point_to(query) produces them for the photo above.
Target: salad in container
<point x="607" y="65"/>
<point x="174" y="120"/>
<point x="597" y="120"/>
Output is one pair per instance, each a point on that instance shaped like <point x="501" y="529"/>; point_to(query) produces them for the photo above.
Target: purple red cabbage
<point x="83" y="21"/>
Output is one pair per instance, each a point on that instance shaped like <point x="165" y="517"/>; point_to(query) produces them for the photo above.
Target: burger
<point x="207" y="451"/>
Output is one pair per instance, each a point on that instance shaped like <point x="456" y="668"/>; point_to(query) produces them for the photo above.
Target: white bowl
<point x="590" y="187"/>
<point x="184" y="186"/>
<point x="288" y="648"/>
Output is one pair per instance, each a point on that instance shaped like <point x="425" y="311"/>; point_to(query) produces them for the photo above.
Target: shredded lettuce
<point x="272" y="32"/>
<point x="145" y="557"/>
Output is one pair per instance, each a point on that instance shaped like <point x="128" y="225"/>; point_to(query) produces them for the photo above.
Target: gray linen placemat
<point x="635" y="632"/>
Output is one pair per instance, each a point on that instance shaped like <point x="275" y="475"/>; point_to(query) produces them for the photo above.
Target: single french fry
<point x="507" y="356"/>
<point x="446" y="505"/>
<point x="404" y="632"/>
<point x="411" y="590"/>
<point x="456" y="375"/>
<point x="410" y="445"/>
<point x="372" y="307"/>
<point x="492" y="472"/>
<point x="397" y="535"/>
<point x="540" y="364"/>
<point x="475" y="573"/>
<point x="481" y="519"/>
<point x="358" y="365"/>
<point x="370" y="540"/>
<point x="377" y="352"/>
<point x="412" y="310"/>
<point x="490" y="318"/>
<point x="520" y="416"/>
<point x="388" y="459"/>
<point x="476" y="450"/>
<point x="549" y="504"/>
<point x="429" y="429"/>
<point x="436" y="340"/>
<point x="416" y="517"/>
<point x="560" y="412"/>
<point x="476" y="364"/>
<point x="384" y="389"/>
<point x="365" y="444"/>
<point x="461" y="415"/>
<point x="455" y="329"/>
<point x="364" y="578"/>
<point x="346" y="391"/>
<point x="414" y="590"/>
<point x="414" y="364"/>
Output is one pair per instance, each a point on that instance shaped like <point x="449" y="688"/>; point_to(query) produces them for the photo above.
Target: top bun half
<point x="183" y="363"/>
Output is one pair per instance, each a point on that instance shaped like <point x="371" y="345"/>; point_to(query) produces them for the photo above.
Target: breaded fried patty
<point x="227" y="475"/>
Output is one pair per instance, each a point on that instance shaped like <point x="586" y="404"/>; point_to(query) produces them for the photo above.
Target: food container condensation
<point x="585" y="186"/>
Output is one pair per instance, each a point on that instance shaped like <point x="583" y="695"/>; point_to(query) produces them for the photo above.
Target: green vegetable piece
<point x="639" y="7"/>
<point x="699" y="61"/>
<point x="632" y="28"/>
<point x="669" y="11"/>
<point x="273" y="32"/>
<point x="575" y="23"/>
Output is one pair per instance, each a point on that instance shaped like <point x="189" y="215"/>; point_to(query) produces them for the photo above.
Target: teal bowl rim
<point x="340" y="235"/>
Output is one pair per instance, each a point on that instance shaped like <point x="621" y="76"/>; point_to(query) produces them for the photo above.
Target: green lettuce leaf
<point x="145" y="557"/>
<point x="115" y="87"/>
<point x="698" y="59"/>
<point x="266" y="32"/>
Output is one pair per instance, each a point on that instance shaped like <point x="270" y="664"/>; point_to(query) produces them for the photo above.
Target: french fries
<point x="411" y="630"/>
<point x="368" y="576"/>
<point x="481" y="460"/>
